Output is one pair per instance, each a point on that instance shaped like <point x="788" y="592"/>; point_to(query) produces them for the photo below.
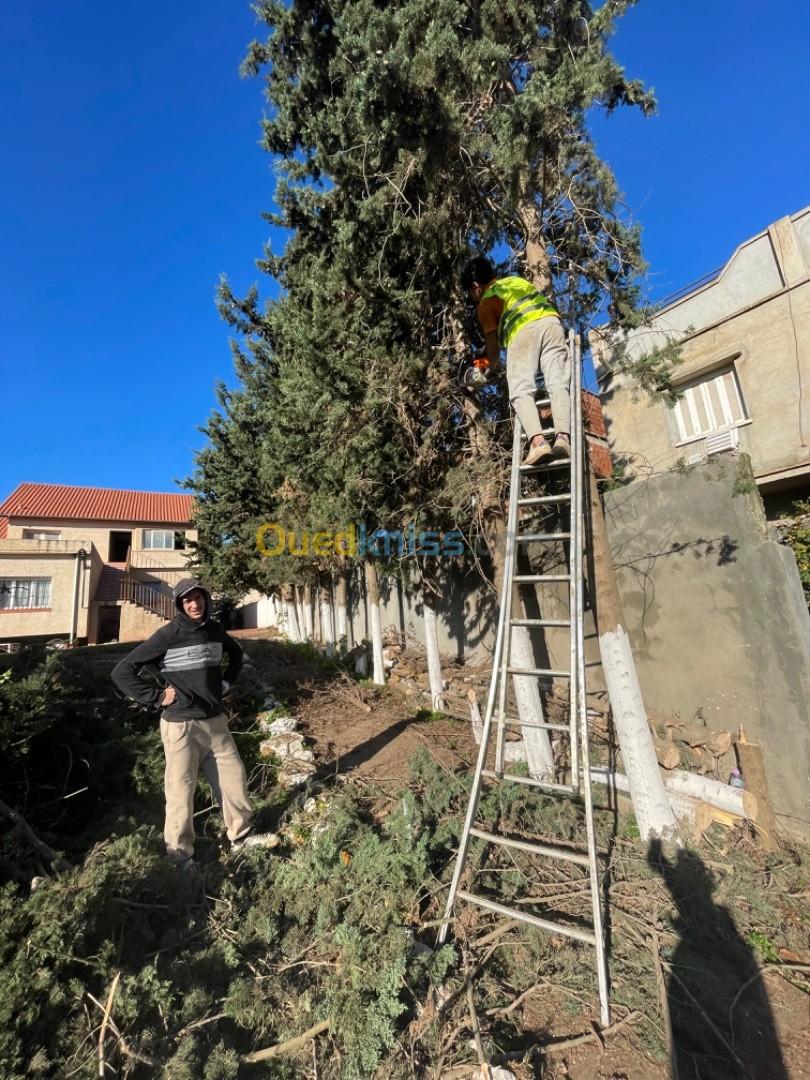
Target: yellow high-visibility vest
<point x="522" y="304"/>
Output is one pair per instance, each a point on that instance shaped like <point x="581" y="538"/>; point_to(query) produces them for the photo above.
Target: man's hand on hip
<point x="169" y="696"/>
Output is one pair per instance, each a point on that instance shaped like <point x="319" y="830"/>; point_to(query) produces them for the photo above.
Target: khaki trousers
<point x="540" y="342"/>
<point x="191" y="745"/>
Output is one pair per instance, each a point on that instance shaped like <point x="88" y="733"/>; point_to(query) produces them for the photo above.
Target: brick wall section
<point x="599" y="456"/>
<point x="592" y="412"/>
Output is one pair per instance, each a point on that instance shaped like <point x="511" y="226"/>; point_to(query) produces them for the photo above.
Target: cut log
<point x="752" y="766"/>
<point x="700" y="788"/>
<point x="719" y="742"/>
<point x="668" y="754"/>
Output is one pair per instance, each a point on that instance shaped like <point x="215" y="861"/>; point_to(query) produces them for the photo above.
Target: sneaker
<point x="256" y="840"/>
<point x="562" y="446"/>
<point x="537" y="453"/>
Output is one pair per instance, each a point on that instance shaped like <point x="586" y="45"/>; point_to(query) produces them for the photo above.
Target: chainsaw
<point x="476" y="373"/>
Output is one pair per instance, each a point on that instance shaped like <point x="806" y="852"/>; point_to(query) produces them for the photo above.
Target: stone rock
<point x="282" y="725"/>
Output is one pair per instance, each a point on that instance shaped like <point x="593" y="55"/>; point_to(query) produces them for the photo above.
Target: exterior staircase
<point x="116" y="583"/>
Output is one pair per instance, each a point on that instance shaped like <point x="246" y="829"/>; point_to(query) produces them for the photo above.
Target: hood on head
<point x="185" y="585"/>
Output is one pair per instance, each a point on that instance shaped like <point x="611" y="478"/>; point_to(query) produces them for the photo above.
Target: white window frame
<point x="38" y="588"/>
<point x="700" y="385"/>
<point x="151" y="533"/>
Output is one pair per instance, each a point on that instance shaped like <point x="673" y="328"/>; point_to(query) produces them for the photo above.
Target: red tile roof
<point x="97" y="504"/>
<point x="3" y="528"/>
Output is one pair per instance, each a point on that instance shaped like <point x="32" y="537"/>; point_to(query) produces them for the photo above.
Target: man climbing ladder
<point x="516" y="317"/>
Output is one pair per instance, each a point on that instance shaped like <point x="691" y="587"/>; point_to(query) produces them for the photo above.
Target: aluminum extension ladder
<point x="502" y="670"/>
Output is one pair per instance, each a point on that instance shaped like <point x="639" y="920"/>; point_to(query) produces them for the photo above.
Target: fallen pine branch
<point x="288" y="1047"/>
<point x="597" y="1035"/>
<point x="53" y="857"/>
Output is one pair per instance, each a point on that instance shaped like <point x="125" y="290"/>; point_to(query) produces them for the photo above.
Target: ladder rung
<point x="540" y="538"/>
<point x="538" y="672"/>
<point x="553" y="463"/>
<point x="524" y="916"/>
<point x="524" y="579"/>
<point x="541" y="500"/>
<point x="529" y="781"/>
<point x="537" y="724"/>
<point x="540" y="622"/>
<point x="543" y="431"/>
<point x="534" y="849"/>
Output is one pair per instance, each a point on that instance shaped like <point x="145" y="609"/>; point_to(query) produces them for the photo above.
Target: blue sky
<point x="132" y="179"/>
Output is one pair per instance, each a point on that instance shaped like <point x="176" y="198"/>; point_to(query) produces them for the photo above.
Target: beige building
<point x="745" y="370"/>
<point x="90" y="564"/>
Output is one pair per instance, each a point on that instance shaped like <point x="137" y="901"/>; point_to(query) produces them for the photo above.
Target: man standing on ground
<point x="516" y="317"/>
<point x="185" y="661"/>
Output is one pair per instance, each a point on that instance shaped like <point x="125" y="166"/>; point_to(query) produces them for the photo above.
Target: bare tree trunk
<point x="650" y="802"/>
<point x="373" y="596"/>
<point x="309" y="614"/>
<point x="340" y="611"/>
<point x="299" y="609"/>
<point x="327" y="625"/>
<point x="432" y="649"/>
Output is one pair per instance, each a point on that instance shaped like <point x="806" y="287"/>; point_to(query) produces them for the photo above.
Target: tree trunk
<point x="539" y="757"/>
<point x="299" y="609"/>
<point x="327" y="625"/>
<point x="432" y="649"/>
<point x="373" y="598"/>
<point x="650" y="802"/>
<point x="687" y="785"/>
<point x="290" y="614"/>
<point x="309" y="614"/>
<point x="340" y="611"/>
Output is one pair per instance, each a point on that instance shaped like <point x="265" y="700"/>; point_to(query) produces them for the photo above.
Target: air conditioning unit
<point x="720" y="441"/>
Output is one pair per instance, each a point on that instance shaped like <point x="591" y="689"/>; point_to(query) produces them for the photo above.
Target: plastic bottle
<point x="736" y="779"/>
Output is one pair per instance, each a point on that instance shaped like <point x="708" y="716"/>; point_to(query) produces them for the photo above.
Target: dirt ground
<point x="369" y="733"/>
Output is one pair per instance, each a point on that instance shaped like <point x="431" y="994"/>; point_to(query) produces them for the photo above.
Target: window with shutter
<point x="712" y="403"/>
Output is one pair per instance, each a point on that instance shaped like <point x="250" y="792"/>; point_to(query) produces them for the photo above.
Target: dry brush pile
<point x="317" y="958"/>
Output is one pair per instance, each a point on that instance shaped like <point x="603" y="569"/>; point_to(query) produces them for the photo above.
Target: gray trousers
<point x="191" y="745"/>
<point x="542" y="343"/>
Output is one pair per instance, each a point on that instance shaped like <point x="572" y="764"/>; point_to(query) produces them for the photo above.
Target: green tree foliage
<point x="407" y="135"/>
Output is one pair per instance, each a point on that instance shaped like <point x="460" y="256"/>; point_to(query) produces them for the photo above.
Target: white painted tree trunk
<point x="373" y="600"/>
<point x="432" y="648"/>
<point x="340" y="611"/>
<point x="299" y="609"/>
<point x="685" y="785"/>
<point x="309" y="614"/>
<point x="530" y="708"/>
<point x="651" y="805"/>
<point x="327" y="624"/>
<point x="291" y="615"/>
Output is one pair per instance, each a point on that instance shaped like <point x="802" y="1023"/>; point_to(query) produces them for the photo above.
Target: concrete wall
<point x="756" y="316"/>
<point x="716" y="615"/>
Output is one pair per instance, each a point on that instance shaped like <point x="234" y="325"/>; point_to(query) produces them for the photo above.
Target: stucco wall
<point x="716" y="615"/>
<point x="98" y="533"/>
<point x="56" y="620"/>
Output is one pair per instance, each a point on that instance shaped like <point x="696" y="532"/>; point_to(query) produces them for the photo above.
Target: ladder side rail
<point x="574" y="570"/>
<point x="498" y="653"/>
<point x="582" y="718"/>
<point x="507" y="590"/>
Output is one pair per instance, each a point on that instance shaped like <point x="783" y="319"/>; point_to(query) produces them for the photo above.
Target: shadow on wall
<point x="722" y="1023"/>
